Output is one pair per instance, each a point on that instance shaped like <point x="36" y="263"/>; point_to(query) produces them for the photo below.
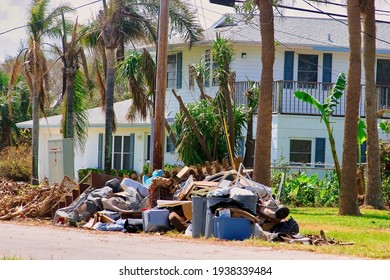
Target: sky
<point x="13" y="16"/>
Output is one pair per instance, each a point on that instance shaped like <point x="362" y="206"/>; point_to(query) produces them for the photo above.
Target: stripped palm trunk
<point x="373" y="192"/>
<point x="348" y="191"/>
<point x="262" y="162"/>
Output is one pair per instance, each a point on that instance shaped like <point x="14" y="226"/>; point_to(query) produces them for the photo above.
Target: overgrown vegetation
<point x="15" y="162"/>
<point x="209" y="120"/>
<point x="303" y="190"/>
<point x="83" y="173"/>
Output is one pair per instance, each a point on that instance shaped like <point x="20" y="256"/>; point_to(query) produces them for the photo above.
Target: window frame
<point x="169" y="146"/>
<point x="307" y="153"/>
<point x="304" y="60"/>
<point x="172" y="65"/>
<point x="122" y="152"/>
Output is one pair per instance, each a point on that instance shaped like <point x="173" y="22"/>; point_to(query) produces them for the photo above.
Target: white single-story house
<point x="310" y="54"/>
<point x="131" y="144"/>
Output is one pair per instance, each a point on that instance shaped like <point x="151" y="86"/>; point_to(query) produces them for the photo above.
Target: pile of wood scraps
<point x="22" y="200"/>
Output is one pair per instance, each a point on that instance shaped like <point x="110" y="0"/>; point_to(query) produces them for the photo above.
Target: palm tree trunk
<point x="109" y="103"/>
<point x="35" y="128"/>
<point x="70" y="107"/>
<point x="348" y="192"/>
<point x="373" y="192"/>
<point x="334" y="153"/>
<point x="262" y="162"/>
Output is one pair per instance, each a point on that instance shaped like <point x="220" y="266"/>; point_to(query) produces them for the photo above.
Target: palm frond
<point x="101" y="84"/>
<point x="16" y="70"/>
<point x="80" y="109"/>
<point x="149" y="70"/>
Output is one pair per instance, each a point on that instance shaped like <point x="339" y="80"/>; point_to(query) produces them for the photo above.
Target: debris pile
<point x="214" y="200"/>
<point x="22" y="200"/>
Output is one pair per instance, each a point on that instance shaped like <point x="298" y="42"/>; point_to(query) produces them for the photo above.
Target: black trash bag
<point x="133" y="225"/>
<point x="289" y="227"/>
<point x="114" y="184"/>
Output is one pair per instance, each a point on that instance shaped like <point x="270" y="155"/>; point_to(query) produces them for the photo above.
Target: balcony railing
<point x="284" y="101"/>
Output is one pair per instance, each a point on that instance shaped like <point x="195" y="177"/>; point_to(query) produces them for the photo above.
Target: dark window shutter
<point x="327" y="70"/>
<point x="363" y="148"/>
<point x="288" y="68"/>
<point x="131" y="152"/>
<point x="179" y="64"/>
<point x="100" y="151"/>
<point x="320" y="150"/>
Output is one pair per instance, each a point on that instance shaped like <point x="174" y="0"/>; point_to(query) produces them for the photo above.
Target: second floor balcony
<point x="284" y="101"/>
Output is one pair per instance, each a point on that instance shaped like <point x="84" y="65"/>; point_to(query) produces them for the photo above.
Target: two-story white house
<point x="310" y="54"/>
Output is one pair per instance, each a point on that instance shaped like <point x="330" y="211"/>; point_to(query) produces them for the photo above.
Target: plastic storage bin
<point x="209" y="227"/>
<point x="249" y="201"/>
<point x="155" y="220"/>
<point x="232" y="228"/>
<point x="198" y="216"/>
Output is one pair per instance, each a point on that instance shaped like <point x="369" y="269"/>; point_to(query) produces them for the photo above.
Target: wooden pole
<point x="162" y="56"/>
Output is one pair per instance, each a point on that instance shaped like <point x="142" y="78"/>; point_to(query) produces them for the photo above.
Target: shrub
<point x="122" y="173"/>
<point x="82" y="173"/>
<point x="384" y="154"/>
<point x="16" y="163"/>
<point x="386" y="190"/>
<point x="302" y="190"/>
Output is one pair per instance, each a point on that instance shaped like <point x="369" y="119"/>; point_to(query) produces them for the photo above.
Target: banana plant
<point x="327" y="108"/>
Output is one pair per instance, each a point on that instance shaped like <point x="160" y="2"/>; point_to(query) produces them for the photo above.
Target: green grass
<point x="369" y="233"/>
<point x="6" y="257"/>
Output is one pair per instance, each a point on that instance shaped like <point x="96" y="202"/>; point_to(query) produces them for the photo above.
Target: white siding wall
<point x="287" y="127"/>
<point x="284" y="127"/>
<point x="89" y="158"/>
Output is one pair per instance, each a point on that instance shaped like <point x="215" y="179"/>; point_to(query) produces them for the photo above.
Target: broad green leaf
<point x="306" y="97"/>
<point x="362" y="135"/>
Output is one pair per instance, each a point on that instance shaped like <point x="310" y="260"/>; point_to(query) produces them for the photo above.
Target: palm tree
<point x="40" y="22"/>
<point x="348" y="191"/>
<point x="13" y="108"/>
<point x="373" y="193"/>
<point x="139" y="69"/>
<point x="75" y="85"/>
<point x="124" y="21"/>
<point x="262" y="161"/>
<point x="223" y="54"/>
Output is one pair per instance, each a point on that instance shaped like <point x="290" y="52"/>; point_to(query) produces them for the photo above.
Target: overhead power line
<point x="72" y="9"/>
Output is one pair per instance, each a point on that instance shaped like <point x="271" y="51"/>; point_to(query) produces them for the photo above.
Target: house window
<point x="170" y="147"/>
<point x="123" y="152"/>
<point x="174" y="70"/>
<point x="210" y="66"/>
<point x="307" y="70"/>
<point x="288" y="75"/>
<point x="207" y="63"/>
<point x="171" y="71"/>
<point x="300" y="151"/>
<point x="383" y="82"/>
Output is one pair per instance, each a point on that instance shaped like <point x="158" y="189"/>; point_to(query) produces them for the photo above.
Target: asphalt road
<point x="63" y="243"/>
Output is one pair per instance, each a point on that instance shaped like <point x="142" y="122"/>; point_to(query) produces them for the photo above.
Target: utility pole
<point x="161" y="82"/>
